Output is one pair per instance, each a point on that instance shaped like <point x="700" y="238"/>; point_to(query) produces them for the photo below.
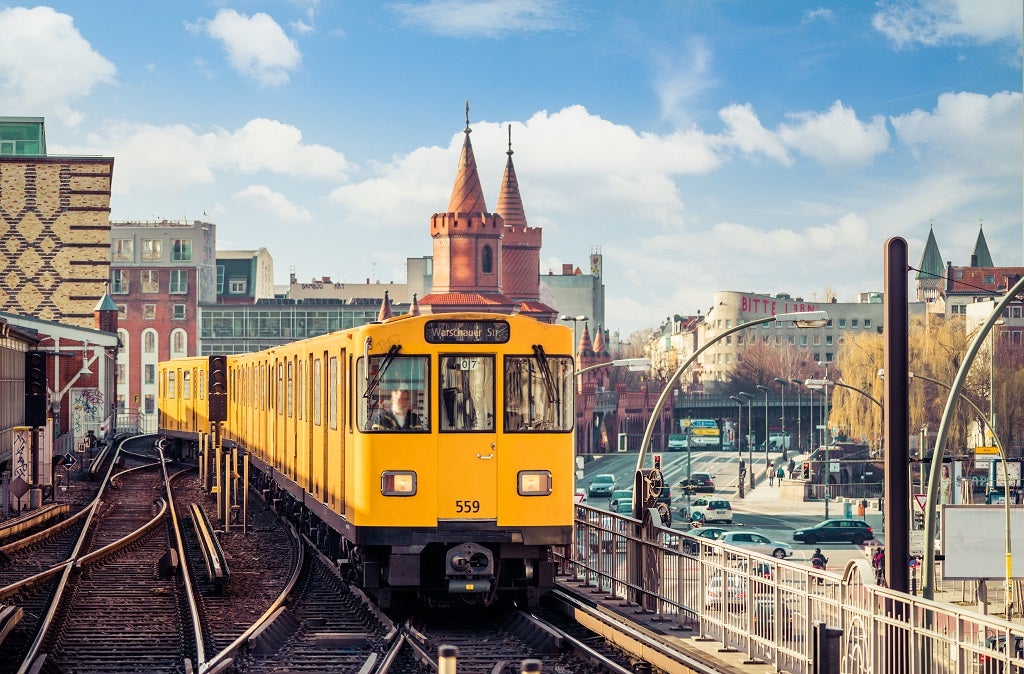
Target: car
<point x="762" y="617"/>
<point x="602" y="485"/>
<point x="729" y="593"/>
<point x="997" y="643"/>
<point x="701" y="483"/>
<point x="758" y="542"/>
<point x="710" y="510"/>
<point x="691" y="538"/>
<point x="621" y="501"/>
<point x="836" y="531"/>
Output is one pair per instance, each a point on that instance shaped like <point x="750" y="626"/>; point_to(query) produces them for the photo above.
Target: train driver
<point x="399" y="416"/>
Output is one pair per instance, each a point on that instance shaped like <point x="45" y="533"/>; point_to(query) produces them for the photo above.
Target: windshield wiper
<point x="545" y="370"/>
<point x="373" y="384"/>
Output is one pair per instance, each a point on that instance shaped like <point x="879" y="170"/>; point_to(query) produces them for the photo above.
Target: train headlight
<point x="398" y="483"/>
<point x="534" y="482"/>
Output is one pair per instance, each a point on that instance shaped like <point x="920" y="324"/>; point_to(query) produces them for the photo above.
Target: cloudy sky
<point x="701" y="145"/>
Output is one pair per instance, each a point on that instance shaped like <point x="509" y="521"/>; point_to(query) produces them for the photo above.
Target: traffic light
<point x="657" y="462"/>
<point x="218" y="388"/>
<point x="807" y="470"/>
<point x="35" y="388"/>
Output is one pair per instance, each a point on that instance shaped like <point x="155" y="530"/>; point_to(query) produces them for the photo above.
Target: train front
<point x="465" y="438"/>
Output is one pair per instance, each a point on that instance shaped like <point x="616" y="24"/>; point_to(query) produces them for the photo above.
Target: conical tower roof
<point x="600" y="349"/>
<point x="467" y="194"/>
<point x="981" y="257"/>
<point x="414" y="310"/>
<point x="510" y="202"/>
<point x="385" y="308"/>
<point x="931" y="267"/>
<point x="585" y="348"/>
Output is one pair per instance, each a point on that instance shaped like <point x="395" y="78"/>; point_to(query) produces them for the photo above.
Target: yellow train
<point x="427" y="454"/>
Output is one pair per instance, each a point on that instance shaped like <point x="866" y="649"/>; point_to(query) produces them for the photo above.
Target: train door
<point x="467" y="451"/>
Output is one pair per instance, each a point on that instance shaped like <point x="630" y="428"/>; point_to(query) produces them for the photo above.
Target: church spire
<point x="931" y="267"/>
<point x="510" y="202"/>
<point x="467" y="194"/>
<point x="981" y="257"/>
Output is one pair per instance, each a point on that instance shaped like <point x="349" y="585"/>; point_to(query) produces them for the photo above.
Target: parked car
<point x="729" y="592"/>
<point x="621" y="502"/>
<point x="758" y="542"/>
<point x="710" y="510"/>
<point x="602" y="485"/>
<point x="836" y="531"/>
<point x="701" y="483"/>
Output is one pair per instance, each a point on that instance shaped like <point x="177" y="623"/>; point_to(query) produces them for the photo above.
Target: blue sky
<point x="701" y="145"/>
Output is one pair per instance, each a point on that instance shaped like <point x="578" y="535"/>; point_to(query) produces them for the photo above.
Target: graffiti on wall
<point x="21" y="454"/>
<point x="86" y="410"/>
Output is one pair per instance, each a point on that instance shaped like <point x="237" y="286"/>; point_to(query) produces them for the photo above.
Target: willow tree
<point x="858" y="359"/>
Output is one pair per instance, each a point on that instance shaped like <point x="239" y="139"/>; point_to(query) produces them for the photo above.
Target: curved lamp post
<point x="802" y="319"/>
<point x="750" y="432"/>
<point x="767" y="432"/>
<point x="928" y="566"/>
<point x="784" y="382"/>
<point x="1006" y="482"/>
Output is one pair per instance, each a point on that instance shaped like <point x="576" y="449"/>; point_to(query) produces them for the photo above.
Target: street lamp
<point x="784" y="382"/>
<point x="826" y="474"/>
<point x="928" y="565"/>
<point x="739" y="428"/>
<point x="799" y="413"/>
<point x="767" y="432"/>
<point x="801" y="319"/>
<point x="575" y="337"/>
<point x="750" y="427"/>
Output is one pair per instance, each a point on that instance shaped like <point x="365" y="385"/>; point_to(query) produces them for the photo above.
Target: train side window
<point x="396" y="394"/>
<point x="317" y="387"/>
<point x="538" y="393"/>
<point x="467" y="392"/>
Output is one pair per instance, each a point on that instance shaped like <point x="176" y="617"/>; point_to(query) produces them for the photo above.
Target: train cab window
<point x="395" y="395"/>
<point x="467" y="392"/>
<point x="538" y="393"/>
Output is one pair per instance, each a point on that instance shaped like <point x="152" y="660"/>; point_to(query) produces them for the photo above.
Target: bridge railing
<point x="772" y="609"/>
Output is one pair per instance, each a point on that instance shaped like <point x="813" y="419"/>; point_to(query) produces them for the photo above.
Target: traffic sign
<point x="70" y="460"/>
<point x="920" y="500"/>
<point x="833" y="466"/>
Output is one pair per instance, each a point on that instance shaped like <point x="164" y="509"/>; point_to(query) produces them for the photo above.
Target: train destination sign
<point x="466" y="332"/>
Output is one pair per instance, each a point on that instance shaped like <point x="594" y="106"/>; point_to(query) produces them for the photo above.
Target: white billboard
<point x="974" y="541"/>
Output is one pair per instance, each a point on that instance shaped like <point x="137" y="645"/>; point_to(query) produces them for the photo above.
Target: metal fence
<point x="775" y="611"/>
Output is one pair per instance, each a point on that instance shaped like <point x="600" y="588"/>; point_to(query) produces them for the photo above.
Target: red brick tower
<point x="520" y="248"/>
<point x="467" y="247"/>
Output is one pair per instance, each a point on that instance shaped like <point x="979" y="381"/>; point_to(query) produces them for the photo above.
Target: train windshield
<point x="538" y="393"/>
<point x="398" y="395"/>
<point x="467" y="392"/>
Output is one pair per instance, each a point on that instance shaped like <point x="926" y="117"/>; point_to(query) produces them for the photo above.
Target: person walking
<point x="771" y="474"/>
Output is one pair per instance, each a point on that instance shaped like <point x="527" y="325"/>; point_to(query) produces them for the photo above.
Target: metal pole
<point x="828" y="466"/>
<point x="782" y="394"/>
<point x="750" y="449"/>
<point x="799" y="414"/>
<point x="767" y="432"/>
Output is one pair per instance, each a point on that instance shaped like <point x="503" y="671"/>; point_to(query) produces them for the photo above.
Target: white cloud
<point x="261" y="197"/>
<point x="969" y="131"/>
<point x="935" y="22"/>
<point x="149" y="156"/>
<point x="256" y="45"/>
<point x="483" y="18"/>
<point x="46" y="64"/>
<point x="836" y="138"/>
<point x="682" y="78"/>
<point x="744" y="131"/>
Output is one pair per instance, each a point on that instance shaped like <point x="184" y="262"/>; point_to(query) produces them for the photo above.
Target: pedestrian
<point x="780" y="473"/>
<point x="771" y="475"/>
<point x="878" y="564"/>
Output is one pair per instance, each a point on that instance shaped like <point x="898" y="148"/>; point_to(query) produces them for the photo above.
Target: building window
<point x="149" y="312"/>
<point x="181" y="250"/>
<point x="989" y="279"/>
<point x="237" y="286"/>
<point x="854" y="323"/>
<point x="149" y="376"/>
<point x="150" y="281"/>
<point x="179" y="282"/>
<point x="959" y="274"/>
<point x="828" y="340"/>
<point x="817" y="340"/>
<point x="178" y="346"/>
<point x="122" y="250"/>
<point x="803" y="340"/>
<point x="122" y="311"/>
<point x="122" y="372"/>
<point x="867" y="322"/>
<point x="179" y="312"/>
<point x="119" y="282"/>
<point x="152" y="250"/>
<point x="1014" y="311"/>
<point x="220" y="279"/>
<point x="149" y="342"/>
<point x="958" y="309"/>
<point x="150" y="404"/>
<point x="842" y="322"/>
<point x="739" y="339"/>
<point x="487" y="260"/>
<point x="829" y="324"/>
